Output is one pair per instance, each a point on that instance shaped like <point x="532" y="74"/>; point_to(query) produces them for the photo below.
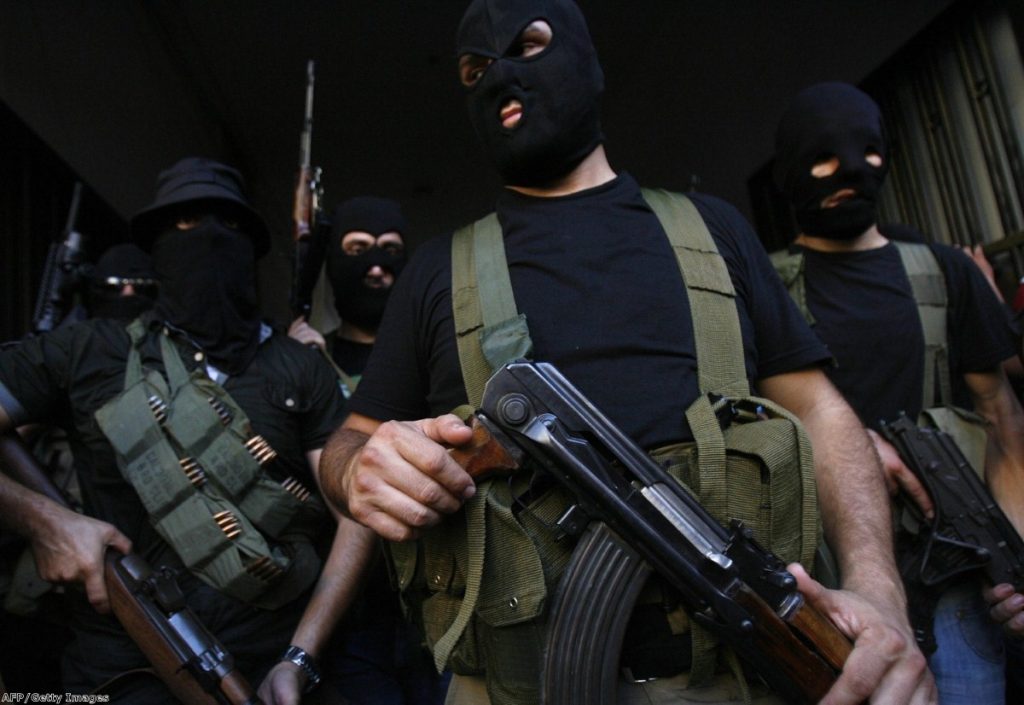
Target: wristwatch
<point x="306" y="662"/>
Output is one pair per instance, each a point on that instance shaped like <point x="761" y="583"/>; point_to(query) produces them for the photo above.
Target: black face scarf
<point x="208" y="289"/>
<point x="559" y="88"/>
<point x="109" y="303"/>
<point x="831" y="120"/>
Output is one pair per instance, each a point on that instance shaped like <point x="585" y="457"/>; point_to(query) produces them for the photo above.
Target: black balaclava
<point x="208" y="290"/>
<point x="825" y="120"/>
<point x="119" y="265"/>
<point x="357" y="303"/>
<point x="559" y="88"/>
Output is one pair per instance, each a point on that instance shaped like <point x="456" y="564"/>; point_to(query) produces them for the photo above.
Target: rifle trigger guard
<point x="165" y="591"/>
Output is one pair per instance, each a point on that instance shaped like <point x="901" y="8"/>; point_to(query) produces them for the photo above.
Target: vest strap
<point x="928" y="286"/>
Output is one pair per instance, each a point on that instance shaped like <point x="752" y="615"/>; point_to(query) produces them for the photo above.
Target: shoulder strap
<point x="490" y="332"/>
<point x="928" y="285"/>
<point x="790" y="268"/>
<point x="488" y="328"/>
<point x="716" y="324"/>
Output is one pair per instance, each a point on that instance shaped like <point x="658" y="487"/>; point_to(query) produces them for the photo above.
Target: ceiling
<point x="121" y="89"/>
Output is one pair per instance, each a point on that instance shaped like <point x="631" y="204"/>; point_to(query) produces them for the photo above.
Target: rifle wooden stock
<point x="188" y="659"/>
<point x="186" y="656"/>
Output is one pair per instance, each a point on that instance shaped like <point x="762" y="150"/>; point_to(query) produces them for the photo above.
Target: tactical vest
<point x="191" y="454"/>
<point x="482" y="579"/>
<point x="928" y="287"/>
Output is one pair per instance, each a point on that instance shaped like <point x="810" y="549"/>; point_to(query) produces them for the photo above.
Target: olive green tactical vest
<point x="928" y="287"/>
<point x="190" y="453"/>
<point x="482" y="580"/>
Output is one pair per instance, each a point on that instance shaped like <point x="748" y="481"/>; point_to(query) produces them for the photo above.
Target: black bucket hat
<point x="198" y="179"/>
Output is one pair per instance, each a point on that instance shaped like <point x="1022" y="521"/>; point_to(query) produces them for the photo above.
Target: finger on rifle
<point x="913" y="487"/>
<point x="96" y="591"/>
<point x="1007" y="608"/>
<point x="880" y="666"/>
<point x="997" y="593"/>
<point x="119" y="542"/>
<point x="447" y="431"/>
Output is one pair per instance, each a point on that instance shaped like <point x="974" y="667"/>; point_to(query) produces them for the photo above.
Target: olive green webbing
<point x="790" y="267"/>
<point x="184" y="514"/>
<point x="466" y="305"/>
<point x="711" y="293"/>
<point x="928" y="286"/>
<point x="476" y="530"/>
<point x="716" y="328"/>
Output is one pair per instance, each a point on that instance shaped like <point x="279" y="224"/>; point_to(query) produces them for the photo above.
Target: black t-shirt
<point x="350" y="356"/>
<point x="864" y="310"/>
<point x="604" y="301"/>
<point x="289" y="393"/>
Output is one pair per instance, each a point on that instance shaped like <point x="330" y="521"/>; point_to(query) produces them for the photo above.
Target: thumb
<point x="810" y="588"/>
<point x="447" y="430"/>
<point x="119" y="542"/>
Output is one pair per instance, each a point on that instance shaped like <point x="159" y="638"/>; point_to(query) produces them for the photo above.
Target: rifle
<point x="968" y="534"/>
<point x="305" y="214"/>
<point x="149" y="604"/>
<point x="62" y="273"/>
<point x="635" y="517"/>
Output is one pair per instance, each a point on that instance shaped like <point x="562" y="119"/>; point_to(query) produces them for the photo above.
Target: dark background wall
<point x="119" y="90"/>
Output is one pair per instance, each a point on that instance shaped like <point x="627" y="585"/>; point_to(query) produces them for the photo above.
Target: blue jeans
<point x="969" y="664"/>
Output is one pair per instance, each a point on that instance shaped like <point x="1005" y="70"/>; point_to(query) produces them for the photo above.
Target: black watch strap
<point x="306" y="662"/>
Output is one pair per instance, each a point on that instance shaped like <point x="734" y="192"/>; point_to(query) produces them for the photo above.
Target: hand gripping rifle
<point x="308" y="192"/>
<point x="62" y="273"/>
<point x="969" y="533"/>
<point x="635" y="518"/>
<point x="150" y="606"/>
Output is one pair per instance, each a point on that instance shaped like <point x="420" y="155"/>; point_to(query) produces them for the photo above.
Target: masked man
<point x="364" y="255"/>
<point x="194" y="430"/>
<point x="376" y="657"/>
<point x="864" y="293"/>
<point x="584" y="249"/>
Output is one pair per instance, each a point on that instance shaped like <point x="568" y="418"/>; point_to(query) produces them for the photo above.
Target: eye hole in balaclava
<point x="359" y="298"/>
<point x="536" y="113"/>
<point x="831" y="160"/>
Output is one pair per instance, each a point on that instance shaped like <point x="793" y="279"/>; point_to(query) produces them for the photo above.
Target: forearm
<point x="853" y="501"/>
<point x="337" y="586"/>
<point x="852" y="496"/>
<point x="25" y="512"/>
<point x="1004" y="458"/>
<point x="338" y="454"/>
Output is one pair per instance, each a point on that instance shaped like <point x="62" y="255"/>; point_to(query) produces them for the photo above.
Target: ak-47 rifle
<point x="968" y="534"/>
<point x="149" y="604"/>
<point x="62" y="273"/>
<point x="305" y="214"/>
<point x="635" y="518"/>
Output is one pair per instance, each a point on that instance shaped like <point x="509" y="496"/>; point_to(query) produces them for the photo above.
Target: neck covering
<point x="560" y="88"/>
<point x="357" y="303"/>
<point x="208" y="290"/>
<point x="831" y="120"/>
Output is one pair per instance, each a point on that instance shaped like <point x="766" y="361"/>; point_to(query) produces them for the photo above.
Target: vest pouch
<point x="769" y="473"/>
<point x="216" y="440"/>
<point x="523" y="559"/>
<point x="181" y="448"/>
<point x="437" y="586"/>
